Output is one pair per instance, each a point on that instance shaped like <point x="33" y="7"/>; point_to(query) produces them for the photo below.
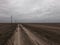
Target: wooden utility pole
<point x="11" y="19"/>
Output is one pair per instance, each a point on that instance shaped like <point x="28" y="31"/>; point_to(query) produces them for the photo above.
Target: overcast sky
<point x="30" y="10"/>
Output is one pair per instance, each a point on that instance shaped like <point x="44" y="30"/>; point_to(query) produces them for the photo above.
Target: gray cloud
<point x="30" y="10"/>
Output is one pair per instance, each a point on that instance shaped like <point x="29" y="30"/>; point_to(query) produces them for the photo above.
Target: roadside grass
<point x="6" y="31"/>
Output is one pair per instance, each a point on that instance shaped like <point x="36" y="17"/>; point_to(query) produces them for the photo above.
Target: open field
<point x="46" y="24"/>
<point x="6" y="31"/>
<point x="49" y="32"/>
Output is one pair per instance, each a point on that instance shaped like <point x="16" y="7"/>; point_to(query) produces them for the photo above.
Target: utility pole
<point x="11" y="19"/>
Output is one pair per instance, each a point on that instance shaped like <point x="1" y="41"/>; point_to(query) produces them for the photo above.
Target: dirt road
<point x="31" y="36"/>
<point x="19" y="38"/>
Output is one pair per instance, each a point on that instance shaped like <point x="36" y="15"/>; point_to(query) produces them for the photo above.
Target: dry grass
<point x="6" y="31"/>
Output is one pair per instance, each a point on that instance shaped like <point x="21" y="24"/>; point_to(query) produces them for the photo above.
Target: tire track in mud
<point x="33" y="37"/>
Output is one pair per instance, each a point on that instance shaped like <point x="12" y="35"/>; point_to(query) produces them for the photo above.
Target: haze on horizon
<point x="30" y="10"/>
